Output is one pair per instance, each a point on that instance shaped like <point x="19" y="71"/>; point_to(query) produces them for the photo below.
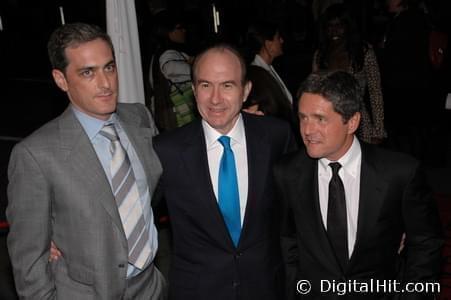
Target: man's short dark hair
<point x="71" y="35"/>
<point x="222" y="47"/>
<point x="258" y="33"/>
<point x="338" y="87"/>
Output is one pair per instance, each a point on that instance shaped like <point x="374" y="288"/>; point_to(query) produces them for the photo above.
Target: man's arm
<point x="424" y="239"/>
<point x="29" y="216"/>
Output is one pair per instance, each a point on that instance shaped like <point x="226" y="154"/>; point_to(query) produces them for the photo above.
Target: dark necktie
<point x="337" y="225"/>
<point x="228" y="195"/>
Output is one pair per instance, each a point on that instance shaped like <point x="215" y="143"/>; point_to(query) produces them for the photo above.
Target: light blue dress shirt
<point x="101" y="145"/>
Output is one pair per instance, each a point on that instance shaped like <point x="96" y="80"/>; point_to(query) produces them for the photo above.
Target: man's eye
<point x="204" y="85"/>
<point x="110" y="68"/>
<point x="86" y="73"/>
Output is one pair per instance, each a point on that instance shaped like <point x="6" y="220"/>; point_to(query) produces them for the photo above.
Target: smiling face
<point x="335" y="29"/>
<point x="90" y="79"/>
<point x="219" y="88"/>
<point x="323" y="130"/>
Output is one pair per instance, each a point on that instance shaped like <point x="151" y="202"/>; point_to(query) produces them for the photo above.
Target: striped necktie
<point x="228" y="195"/>
<point x="126" y="193"/>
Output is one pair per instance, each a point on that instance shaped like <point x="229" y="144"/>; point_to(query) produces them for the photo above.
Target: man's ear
<point x="353" y="123"/>
<point x="193" y="87"/>
<point x="247" y="89"/>
<point x="60" y="79"/>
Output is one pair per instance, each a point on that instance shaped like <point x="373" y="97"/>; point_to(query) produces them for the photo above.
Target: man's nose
<point x="103" y="80"/>
<point x="216" y="95"/>
<point x="307" y="127"/>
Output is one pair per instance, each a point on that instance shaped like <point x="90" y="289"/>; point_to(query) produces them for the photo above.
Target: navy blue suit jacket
<point x="205" y="263"/>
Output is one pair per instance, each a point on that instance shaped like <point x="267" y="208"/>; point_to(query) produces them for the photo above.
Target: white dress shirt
<point x="214" y="153"/>
<point x="350" y="175"/>
<point x="259" y="62"/>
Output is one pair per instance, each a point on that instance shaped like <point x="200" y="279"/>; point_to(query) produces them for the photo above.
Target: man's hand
<point x="55" y="253"/>
<point x="254" y="112"/>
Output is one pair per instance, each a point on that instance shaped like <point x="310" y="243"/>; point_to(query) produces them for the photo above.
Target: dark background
<point x="29" y="98"/>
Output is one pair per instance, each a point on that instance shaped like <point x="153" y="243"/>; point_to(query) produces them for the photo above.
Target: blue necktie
<point x="229" y="200"/>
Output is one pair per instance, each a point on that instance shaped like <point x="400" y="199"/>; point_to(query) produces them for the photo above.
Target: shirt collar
<point x="90" y="124"/>
<point x="236" y="135"/>
<point x="258" y="61"/>
<point x="349" y="161"/>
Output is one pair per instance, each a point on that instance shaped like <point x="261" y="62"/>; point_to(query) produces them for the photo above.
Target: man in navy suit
<point x="348" y="204"/>
<point x="209" y="259"/>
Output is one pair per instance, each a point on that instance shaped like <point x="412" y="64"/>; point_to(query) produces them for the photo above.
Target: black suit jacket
<point x="205" y="263"/>
<point x="393" y="199"/>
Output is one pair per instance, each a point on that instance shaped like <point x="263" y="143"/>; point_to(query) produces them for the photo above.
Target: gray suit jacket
<point x="58" y="191"/>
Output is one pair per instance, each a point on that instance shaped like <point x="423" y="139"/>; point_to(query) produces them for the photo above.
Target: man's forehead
<point x="218" y="71"/>
<point x="98" y="42"/>
<point x="89" y="51"/>
<point x="312" y="100"/>
<point x="316" y="97"/>
<point x="219" y="56"/>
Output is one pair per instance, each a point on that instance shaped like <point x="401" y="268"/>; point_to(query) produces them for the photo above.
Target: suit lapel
<point x="306" y="188"/>
<point x="372" y="192"/>
<point x="258" y="164"/>
<point x="141" y="139"/>
<point x="83" y="160"/>
<point x="195" y="161"/>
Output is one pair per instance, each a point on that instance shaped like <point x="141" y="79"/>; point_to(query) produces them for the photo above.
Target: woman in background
<point x="340" y="46"/>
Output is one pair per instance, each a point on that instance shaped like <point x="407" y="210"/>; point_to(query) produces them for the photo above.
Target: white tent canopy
<point x="123" y="29"/>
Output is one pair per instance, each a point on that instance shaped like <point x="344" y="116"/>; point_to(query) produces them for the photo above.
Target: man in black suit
<point x="347" y="204"/>
<point x="218" y="254"/>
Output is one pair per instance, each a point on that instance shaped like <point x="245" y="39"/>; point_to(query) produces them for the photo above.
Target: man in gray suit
<point x="85" y="181"/>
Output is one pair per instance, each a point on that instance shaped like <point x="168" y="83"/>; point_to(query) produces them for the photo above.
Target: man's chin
<point x="313" y="154"/>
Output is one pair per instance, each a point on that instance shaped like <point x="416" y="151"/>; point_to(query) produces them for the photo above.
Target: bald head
<point x="220" y="87"/>
<point x="220" y="48"/>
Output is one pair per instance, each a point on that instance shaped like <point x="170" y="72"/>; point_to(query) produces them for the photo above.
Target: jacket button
<point x="236" y="284"/>
<point x="121" y="265"/>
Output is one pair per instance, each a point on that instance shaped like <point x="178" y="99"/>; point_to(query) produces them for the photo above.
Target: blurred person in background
<point x="266" y="98"/>
<point x="170" y="74"/>
<point x="266" y="44"/>
<point x="341" y="47"/>
<point x="406" y="73"/>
